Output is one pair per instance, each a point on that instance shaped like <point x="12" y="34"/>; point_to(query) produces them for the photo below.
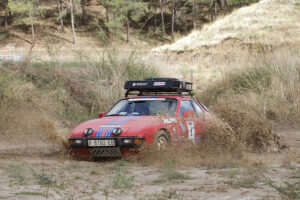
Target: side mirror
<point x="188" y="114"/>
<point x="100" y="115"/>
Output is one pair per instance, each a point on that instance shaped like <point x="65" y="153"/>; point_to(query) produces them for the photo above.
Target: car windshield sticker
<point x="147" y="99"/>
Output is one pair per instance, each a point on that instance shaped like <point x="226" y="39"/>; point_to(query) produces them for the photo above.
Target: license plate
<point x="101" y="143"/>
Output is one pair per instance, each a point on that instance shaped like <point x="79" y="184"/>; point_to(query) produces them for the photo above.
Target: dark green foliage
<point x="291" y="190"/>
<point x="139" y="15"/>
<point x="253" y="79"/>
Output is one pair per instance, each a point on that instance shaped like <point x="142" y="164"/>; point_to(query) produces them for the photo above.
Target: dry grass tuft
<point x="253" y="132"/>
<point x="39" y="109"/>
<point x="269" y="87"/>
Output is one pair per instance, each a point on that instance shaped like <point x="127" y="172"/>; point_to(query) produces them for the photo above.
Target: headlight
<point x="75" y="141"/>
<point x="117" y="131"/>
<point x="127" y="141"/>
<point x="88" y="131"/>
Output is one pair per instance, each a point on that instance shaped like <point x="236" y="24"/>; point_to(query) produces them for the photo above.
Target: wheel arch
<point x="167" y="133"/>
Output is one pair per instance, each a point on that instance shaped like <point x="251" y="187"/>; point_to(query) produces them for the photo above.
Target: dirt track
<point x="44" y="176"/>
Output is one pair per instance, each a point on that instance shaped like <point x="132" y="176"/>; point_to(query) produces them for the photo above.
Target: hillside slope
<point x="269" y="22"/>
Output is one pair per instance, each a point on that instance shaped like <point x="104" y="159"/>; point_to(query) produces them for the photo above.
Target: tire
<point x="162" y="141"/>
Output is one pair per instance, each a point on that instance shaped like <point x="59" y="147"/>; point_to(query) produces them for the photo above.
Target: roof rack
<point x="159" y="86"/>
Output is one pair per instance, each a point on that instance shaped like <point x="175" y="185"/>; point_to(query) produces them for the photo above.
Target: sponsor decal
<point x="169" y="121"/>
<point x="106" y="130"/>
<point x="139" y="84"/>
<point x="197" y="139"/>
<point x="182" y="127"/>
<point x="174" y="129"/>
<point x="110" y="125"/>
<point x="109" y="131"/>
<point x="191" y="130"/>
<point x="100" y="131"/>
<point x="159" y="83"/>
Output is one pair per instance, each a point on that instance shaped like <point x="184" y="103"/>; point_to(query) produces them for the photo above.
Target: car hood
<point x="103" y="127"/>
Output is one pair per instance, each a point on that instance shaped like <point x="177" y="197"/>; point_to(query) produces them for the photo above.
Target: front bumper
<point x="121" y="142"/>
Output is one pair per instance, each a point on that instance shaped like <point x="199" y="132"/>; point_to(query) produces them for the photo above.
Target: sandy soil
<point x="47" y="176"/>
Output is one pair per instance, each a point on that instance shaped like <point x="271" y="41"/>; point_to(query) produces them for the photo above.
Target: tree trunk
<point x="162" y="19"/>
<point x="107" y="14"/>
<point x="127" y="23"/>
<point x="82" y="4"/>
<point x="223" y="5"/>
<point x="216" y="9"/>
<point x="173" y="18"/>
<point x="155" y="21"/>
<point x="6" y="19"/>
<point x="194" y="15"/>
<point x="32" y="27"/>
<point x="72" y="20"/>
<point x="197" y="12"/>
<point x="60" y="17"/>
<point x="211" y="11"/>
<point x="28" y="56"/>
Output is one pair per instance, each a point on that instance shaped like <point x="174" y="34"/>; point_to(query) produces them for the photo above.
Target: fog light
<point x="88" y="131"/>
<point x="127" y="141"/>
<point x="77" y="141"/>
<point x="138" y="141"/>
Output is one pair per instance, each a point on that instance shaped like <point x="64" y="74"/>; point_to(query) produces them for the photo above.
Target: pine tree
<point x="123" y="12"/>
<point x="106" y="4"/>
<point x="29" y="10"/>
<point x="58" y="3"/>
<point x="3" y="5"/>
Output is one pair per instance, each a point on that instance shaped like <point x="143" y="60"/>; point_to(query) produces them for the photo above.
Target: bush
<point x="271" y="87"/>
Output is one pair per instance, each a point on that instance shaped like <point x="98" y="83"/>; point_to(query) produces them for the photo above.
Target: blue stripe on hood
<point x="109" y="131"/>
<point x="118" y="121"/>
<point x="127" y="119"/>
<point x="100" y="131"/>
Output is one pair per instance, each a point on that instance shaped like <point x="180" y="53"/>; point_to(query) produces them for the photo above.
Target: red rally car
<point x="162" y="113"/>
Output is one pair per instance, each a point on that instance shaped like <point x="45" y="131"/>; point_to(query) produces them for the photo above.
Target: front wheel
<point x="161" y="141"/>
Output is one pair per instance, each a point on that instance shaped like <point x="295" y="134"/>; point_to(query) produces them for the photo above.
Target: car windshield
<point x="144" y="106"/>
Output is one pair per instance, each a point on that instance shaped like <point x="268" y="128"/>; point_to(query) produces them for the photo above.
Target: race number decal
<point x="191" y="130"/>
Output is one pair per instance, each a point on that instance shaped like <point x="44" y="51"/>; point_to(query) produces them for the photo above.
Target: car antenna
<point x="192" y="78"/>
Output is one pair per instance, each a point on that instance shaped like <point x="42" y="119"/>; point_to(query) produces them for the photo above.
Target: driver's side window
<point x="198" y="109"/>
<point x="185" y="106"/>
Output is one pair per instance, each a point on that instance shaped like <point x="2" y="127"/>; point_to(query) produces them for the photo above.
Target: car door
<point x="199" y="123"/>
<point x="187" y="120"/>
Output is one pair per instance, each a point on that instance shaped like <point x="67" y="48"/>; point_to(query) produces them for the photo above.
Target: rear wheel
<point x="161" y="141"/>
